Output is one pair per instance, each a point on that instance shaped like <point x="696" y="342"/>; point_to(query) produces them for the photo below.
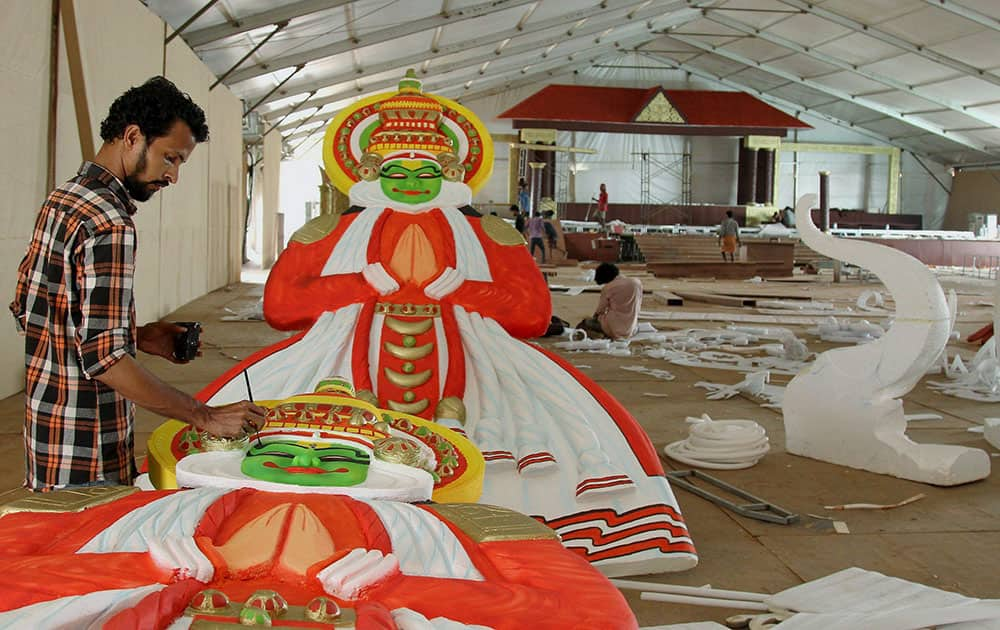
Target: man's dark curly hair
<point x="154" y="106"/>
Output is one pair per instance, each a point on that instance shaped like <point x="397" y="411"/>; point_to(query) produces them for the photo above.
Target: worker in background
<point x="523" y="196"/>
<point x="602" y="207"/>
<point x="536" y="234"/>
<point x="729" y="236"/>
<point x="617" y="314"/>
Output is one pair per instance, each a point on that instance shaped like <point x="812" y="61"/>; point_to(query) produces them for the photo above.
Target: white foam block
<point x="861" y="422"/>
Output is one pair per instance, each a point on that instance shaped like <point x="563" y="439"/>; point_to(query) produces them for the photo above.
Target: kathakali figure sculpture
<point x="331" y="441"/>
<point x="419" y="299"/>
<point x="310" y="523"/>
<point x="357" y="508"/>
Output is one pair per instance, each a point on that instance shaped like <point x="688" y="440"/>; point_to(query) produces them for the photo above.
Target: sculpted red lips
<point x="305" y="470"/>
<point x="412" y="192"/>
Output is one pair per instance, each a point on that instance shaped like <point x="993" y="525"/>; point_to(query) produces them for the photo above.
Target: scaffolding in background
<point x="653" y="165"/>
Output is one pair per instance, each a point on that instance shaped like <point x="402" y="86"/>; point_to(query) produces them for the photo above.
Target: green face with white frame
<point x="306" y="463"/>
<point x="411" y="181"/>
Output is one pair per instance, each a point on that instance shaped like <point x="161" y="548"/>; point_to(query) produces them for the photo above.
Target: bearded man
<point x="75" y="307"/>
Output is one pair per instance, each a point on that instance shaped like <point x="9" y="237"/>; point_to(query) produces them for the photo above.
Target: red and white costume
<point x="557" y="446"/>
<point x="138" y="561"/>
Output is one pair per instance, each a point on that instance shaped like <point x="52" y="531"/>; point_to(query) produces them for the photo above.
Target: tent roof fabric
<point x="921" y="75"/>
<point x="582" y="103"/>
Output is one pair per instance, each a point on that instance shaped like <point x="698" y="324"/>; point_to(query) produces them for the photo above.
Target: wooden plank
<point x="769" y="295"/>
<point x="702" y="269"/>
<point x="565" y="289"/>
<point x="716" y="298"/>
<point x="668" y="298"/>
<point x="76" y="79"/>
<point x="718" y="269"/>
<point x="50" y="172"/>
<point x="810" y="279"/>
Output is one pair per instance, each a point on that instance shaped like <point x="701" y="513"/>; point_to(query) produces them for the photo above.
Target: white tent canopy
<point x="918" y="74"/>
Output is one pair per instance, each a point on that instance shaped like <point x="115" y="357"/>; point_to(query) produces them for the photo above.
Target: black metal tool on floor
<point x="757" y="508"/>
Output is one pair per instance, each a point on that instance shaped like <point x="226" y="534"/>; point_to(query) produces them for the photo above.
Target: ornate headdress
<point x="340" y="416"/>
<point x="407" y="124"/>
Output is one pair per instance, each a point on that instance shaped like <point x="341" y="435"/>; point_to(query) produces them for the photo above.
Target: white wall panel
<point x="270" y="183"/>
<point x="184" y="215"/>
<point x="24" y="72"/>
<point x="226" y="197"/>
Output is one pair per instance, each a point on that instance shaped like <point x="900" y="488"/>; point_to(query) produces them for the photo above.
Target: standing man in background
<point x="602" y="207"/>
<point x="617" y="314"/>
<point x="523" y="196"/>
<point x="75" y="307"/>
<point x="536" y="235"/>
<point x="729" y="236"/>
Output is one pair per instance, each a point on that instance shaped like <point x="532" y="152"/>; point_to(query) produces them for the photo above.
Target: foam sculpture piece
<point x="861" y="423"/>
<point x="212" y="557"/>
<point x="308" y="523"/>
<point x="416" y="297"/>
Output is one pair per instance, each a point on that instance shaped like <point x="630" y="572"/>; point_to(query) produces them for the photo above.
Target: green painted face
<point x="411" y="181"/>
<point x="318" y="465"/>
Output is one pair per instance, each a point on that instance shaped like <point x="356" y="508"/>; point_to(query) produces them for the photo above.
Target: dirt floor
<point x="950" y="539"/>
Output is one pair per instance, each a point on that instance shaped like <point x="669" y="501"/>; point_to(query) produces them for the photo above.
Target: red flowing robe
<point x="527" y="583"/>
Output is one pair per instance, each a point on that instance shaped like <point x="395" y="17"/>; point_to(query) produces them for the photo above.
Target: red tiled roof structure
<point x="609" y="109"/>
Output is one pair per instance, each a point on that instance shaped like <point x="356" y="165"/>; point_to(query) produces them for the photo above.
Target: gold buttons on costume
<point x="408" y="396"/>
<point x="409" y="341"/>
<point x="407" y="381"/>
<point x="408" y="354"/>
<point x="210" y="601"/>
<point x="322" y="609"/>
<point x="408" y="367"/>
<point x="269" y="601"/>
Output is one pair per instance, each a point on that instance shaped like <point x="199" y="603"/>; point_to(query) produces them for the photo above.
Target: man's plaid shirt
<point x="74" y="305"/>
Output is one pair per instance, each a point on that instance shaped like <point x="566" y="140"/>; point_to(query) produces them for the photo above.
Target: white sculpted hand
<point x="445" y="284"/>
<point x="380" y="280"/>
<point x="182" y="555"/>
<point x="359" y="569"/>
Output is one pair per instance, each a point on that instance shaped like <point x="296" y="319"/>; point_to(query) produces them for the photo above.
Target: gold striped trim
<point x="410" y="408"/>
<point x="418" y="327"/>
<point x="408" y="380"/>
<point x="409" y="354"/>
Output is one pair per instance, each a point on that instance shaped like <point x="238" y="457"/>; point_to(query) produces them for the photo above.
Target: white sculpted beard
<point x="370" y="195"/>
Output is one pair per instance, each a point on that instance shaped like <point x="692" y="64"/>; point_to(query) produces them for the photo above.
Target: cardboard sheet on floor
<point x="868" y="599"/>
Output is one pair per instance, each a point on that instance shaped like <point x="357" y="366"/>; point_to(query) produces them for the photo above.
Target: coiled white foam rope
<point x="720" y="444"/>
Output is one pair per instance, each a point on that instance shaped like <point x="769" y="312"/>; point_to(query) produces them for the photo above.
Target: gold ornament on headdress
<point x="410" y="122"/>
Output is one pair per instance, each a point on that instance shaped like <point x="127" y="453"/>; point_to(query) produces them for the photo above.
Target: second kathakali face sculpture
<point x="333" y="440"/>
<point x="307" y="463"/>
